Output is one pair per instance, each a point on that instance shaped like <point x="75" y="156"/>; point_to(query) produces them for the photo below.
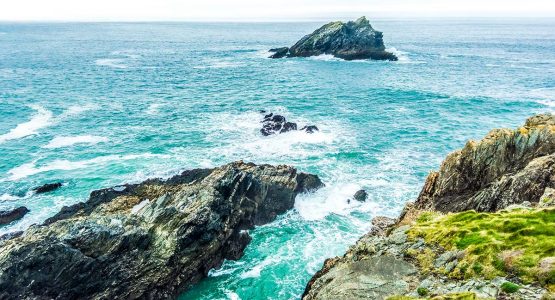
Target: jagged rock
<point x="279" y="52"/>
<point x="349" y="41"/>
<point x="274" y="124"/>
<point x="506" y="167"/>
<point x="150" y="240"/>
<point x="361" y="195"/>
<point x="380" y="225"/>
<point x="8" y="216"/>
<point x="49" y="187"/>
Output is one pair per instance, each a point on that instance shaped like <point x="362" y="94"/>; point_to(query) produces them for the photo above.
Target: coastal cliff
<point x="350" y="41"/>
<point x="483" y="227"/>
<point x="150" y="240"/>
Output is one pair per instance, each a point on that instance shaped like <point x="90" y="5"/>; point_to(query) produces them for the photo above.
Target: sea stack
<point x="350" y="41"/>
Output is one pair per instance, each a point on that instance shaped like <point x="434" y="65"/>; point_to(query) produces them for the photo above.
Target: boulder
<point x="150" y="240"/>
<point x="350" y="41"/>
<point x="49" y="187"/>
<point x="8" y="216"/>
<point x="361" y="195"/>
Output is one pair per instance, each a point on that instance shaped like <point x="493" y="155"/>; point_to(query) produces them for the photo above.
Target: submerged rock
<point x="8" y="216"/>
<point x="349" y="41"/>
<point x="150" y="240"/>
<point x="49" y="187"/>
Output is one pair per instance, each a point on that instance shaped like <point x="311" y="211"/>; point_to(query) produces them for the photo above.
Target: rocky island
<point x="150" y="240"/>
<point x="350" y="41"/>
<point x="483" y="227"/>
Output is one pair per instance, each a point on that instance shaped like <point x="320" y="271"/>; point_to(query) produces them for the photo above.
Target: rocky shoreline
<point x="150" y="240"/>
<point x="483" y="227"/>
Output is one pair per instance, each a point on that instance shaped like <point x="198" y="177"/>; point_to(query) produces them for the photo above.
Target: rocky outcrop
<point x="349" y="41"/>
<point x="149" y="240"/>
<point x="275" y="124"/>
<point x="49" y="187"/>
<point x="425" y="253"/>
<point x="8" y="216"/>
<point x="506" y="167"/>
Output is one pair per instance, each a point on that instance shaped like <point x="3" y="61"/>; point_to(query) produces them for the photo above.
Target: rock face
<point x="49" y="187"/>
<point x="150" y="240"/>
<point x="361" y="195"/>
<point x="8" y="216"/>
<point x="349" y="41"/>
<point x="275" y="124"/>
<point x="507" y="167"/>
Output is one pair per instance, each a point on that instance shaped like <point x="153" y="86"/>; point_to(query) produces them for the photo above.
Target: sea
<point x="95" y="105"/>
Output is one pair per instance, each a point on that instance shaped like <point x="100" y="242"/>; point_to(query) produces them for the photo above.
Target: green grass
<point x="509" y="287"/>
<point x="495" y="244"/>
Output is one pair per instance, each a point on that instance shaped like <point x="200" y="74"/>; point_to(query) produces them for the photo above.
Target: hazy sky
<point x="265" y="10"/>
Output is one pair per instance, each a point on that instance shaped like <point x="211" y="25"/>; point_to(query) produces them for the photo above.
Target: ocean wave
<point x="31" y="168"/>
<point x="401" y="55"/>
<point x="154" y="108"/>
<point x="42" y="118"/>
<point x="66" y="141"/>
<point x="116" y="63"/>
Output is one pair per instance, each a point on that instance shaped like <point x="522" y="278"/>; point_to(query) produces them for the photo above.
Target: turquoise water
<point x="96" y="105"/>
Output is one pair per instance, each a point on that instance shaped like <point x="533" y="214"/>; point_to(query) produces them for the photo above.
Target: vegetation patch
<point x="509" y="287"/>
<point x="517" y="242"/>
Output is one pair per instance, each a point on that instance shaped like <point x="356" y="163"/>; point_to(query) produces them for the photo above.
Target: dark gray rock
<point x="49" y="187"/>
<point x="279" y="52"/>
<point x="8" y="216"/>
<point x="349" y="41"/>
<point x="274" y="124"/>
<point x="361" y="195"/>
<point x="310" y="129"/>
<point x="150" y="240"/>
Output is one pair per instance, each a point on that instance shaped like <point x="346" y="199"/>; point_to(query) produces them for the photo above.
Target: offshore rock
<point x="350" y="41"/>
<point x="361" y="195"/>
<point x="150" y="240"/>
<point x="49" y="187"/>
<point x="506" y="167"/>
<point x="275" y="124"/>
<point x="8" y="216"/>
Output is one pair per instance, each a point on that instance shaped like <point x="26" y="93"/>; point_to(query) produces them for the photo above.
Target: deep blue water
<point x="95" y="105"/>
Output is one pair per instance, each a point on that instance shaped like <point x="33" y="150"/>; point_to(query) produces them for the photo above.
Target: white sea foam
<point x="401" y="55"/>
<point x="154" y="108"/>
<point x="31" y="168"/>
<point x="42" y="118"/>
<point x="66" y="141"/>
<point x="232" y="295"/>
<point x="115" y="63"/>
<point x="8" y="197"/>
<point x="325" y="57"/>
<point x="254" y="272"/>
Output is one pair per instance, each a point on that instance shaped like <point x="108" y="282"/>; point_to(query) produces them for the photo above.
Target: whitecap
<point x="232" y="295"/>
<point x="154" y="108"/>
<point x="401" y="55"/>
<point x="66" y="141"/>
<point x="254" y="272"/>
<point x="326" y="57"/>
<point x="115" y="63"/>
<point x="42" y="118"/>
<point x="31" y="168"/>
<point x="8" y="197"/>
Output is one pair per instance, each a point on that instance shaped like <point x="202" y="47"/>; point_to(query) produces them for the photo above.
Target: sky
<point x="263" y="10"/>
